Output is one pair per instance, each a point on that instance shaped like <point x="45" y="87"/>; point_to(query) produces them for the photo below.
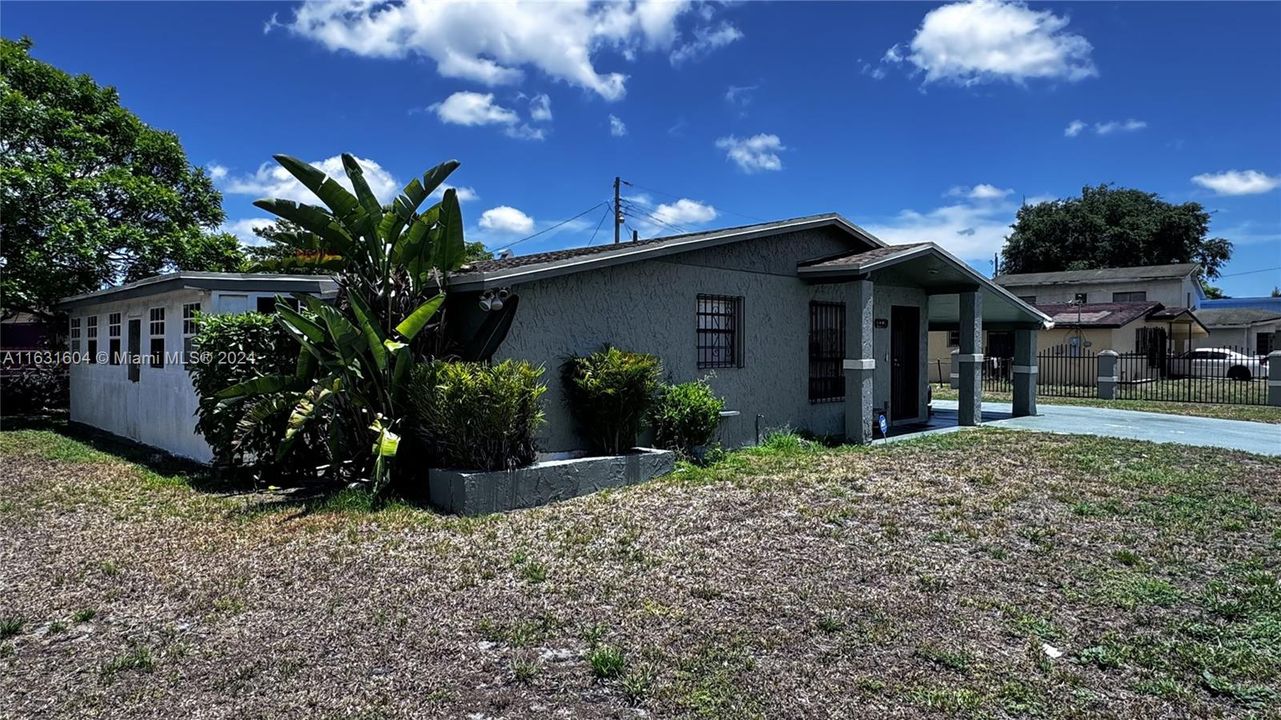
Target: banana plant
<point x="354" y="358"/>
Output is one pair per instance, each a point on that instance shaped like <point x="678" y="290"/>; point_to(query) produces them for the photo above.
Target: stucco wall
<point x="158" y="410"/>
<point x="650" y="306"/>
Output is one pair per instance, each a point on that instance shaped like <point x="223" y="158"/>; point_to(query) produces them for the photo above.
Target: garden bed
<point x="557" y="477"/>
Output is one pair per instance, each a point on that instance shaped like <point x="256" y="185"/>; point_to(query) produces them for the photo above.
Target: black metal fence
<point x="1232" y="375"/>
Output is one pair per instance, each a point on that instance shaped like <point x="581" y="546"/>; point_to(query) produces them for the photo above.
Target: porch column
<point x="859" y="365"/>
<point x="1024" y="372"/>
<point x="969" y="411"/>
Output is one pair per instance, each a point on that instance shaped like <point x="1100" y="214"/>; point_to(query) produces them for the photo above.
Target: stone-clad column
<point x="859" y="365"/>
<point x="1025" y="371"/>
<point x="970" y="357"/>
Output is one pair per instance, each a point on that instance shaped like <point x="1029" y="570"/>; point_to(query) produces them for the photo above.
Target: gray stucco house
<point x="810" y="323"/>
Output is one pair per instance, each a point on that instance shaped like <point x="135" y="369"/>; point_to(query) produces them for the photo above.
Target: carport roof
<point x="942" y="275"/>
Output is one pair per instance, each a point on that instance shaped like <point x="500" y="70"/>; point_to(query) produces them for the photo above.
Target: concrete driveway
<point x="1259" y="438"/>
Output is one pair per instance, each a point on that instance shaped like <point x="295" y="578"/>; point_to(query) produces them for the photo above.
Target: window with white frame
<point x="157" y="327"/>
<point x="91" y="338"/>
<point x="73" y="335"/>
<point x="189" y="312"/>
<point x="113" y="338"/>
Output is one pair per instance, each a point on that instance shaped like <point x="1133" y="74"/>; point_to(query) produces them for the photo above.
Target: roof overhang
<point x="943" y="276"/>
<point x="1179" y="316"/>
<point x="235" y="282"/>
<point x="474" y="281"/>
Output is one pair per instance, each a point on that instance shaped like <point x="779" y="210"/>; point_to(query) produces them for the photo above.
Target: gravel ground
<point x="976" y="574"/>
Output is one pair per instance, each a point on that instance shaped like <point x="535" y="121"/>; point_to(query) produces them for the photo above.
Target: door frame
<point x="910" y="390"/>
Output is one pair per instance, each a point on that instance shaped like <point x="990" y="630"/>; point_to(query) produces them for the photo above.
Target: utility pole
<point x="618" y="211"/>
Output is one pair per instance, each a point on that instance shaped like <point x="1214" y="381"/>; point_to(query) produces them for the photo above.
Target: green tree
<point x="1276" y="291"/>
<point x="1111" y="227"/>
<point x="90" y="194"/>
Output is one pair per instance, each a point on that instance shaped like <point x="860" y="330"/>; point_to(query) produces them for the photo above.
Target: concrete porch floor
<point x="1259" y="438"/>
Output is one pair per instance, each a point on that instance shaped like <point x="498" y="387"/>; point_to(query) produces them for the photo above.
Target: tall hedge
<point x="230" y="349"/>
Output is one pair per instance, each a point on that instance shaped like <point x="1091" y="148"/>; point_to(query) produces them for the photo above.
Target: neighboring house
<point x="1171" y="285"/>
<point x="1174" y="289"/>
<point x="1246" y="329"/>
<point x="151" y="400"/>
<point x="23" y="331"/>
<point x="809" y="323"/>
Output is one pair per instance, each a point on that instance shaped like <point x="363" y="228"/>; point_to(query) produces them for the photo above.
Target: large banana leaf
<point x="448" y="248"/>
<point x="313" y="219"/>
<point x="356" y="174"/>
<point x="373" y="334"/>
<point x="263" y="385"/>
<point x="406" y="204"/>
<point x="344" y="206"/>
<point x="418" y="319"/>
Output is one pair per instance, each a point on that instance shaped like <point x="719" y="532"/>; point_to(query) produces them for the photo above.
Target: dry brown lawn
<point x="975" y="574"/>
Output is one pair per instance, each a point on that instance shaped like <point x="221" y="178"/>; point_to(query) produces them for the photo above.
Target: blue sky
<point x="916" y="121"/>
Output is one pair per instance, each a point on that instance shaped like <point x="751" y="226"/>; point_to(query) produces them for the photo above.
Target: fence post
<point x="1274" y="378"/>
<point x="1107" y="375"/>
<point x="954" y="372"/>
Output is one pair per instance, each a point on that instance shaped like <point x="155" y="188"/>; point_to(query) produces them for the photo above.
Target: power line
<point x="677" y="197"/>
<point x="1251" y="272"/>
<point x="553" y="227"/>
<point x="599" y="224"/>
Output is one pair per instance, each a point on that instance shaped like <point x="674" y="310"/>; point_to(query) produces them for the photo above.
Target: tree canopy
<point x="1111" y="227"/>
<point x="90" y="194"/>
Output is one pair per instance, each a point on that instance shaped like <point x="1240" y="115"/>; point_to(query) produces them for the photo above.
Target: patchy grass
<point x="1222" y="411"/>
<point x="971" y="574"/>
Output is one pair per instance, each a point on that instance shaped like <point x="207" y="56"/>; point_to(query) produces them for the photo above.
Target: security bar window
<point x="827" y="352"/>
<point x="189" y="312"/>
<point x="113" y="338"/>
<point x="157" y="327"/>
<point x="719" y="323"/>
<point x="91" y="337"/>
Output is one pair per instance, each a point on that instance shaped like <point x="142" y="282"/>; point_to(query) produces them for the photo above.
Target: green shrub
<point x="477" y="416"/>
<point x="609" y="394"/>
<point x="685" y="416"/>
<point x="30" y="391"/>
<point x="230" y="349"/>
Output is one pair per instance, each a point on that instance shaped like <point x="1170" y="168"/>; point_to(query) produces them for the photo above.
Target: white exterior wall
<point x="1171" y="293"/>
<point x="160" y="409"/>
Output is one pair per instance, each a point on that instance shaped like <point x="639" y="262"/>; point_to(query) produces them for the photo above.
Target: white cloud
<point x="273" y="181"/>
<point x="464" y="194"/>
<point x="1115" y="126"/>
<point x="682" y="215"/>
<point x="1109" y="127"/>
<point x="493" y="42"/>
<point x="982" y="191"/>
<point x="1238" y="182"/>
<point x="540" y="108"/>
<point x="706" y="39"/>
<point x="759" y="152"/>
<point x="988" y="40"/>
<point x="740" y="95"/>
<point x="617" y="127"/>
<point x="472" y="108"/>
<point x="971" y="230"/>
<point x="244" y="229"/>
<point x="506" y="219"/>
<point x="216" y="172"/>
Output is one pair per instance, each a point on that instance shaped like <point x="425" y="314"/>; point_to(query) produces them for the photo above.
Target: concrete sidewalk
<point x="1259" y="438"/>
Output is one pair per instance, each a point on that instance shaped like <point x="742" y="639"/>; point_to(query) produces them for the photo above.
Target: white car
<point x="1218" y="363"/>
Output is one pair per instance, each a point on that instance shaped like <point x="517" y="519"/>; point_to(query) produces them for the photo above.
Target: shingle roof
<point x="1219" y="317"/>
<point x="1097" y="314"/>
<point x="1121" y="274"/>
<point x="554" y="256"/>
<point x="854" y="260"/>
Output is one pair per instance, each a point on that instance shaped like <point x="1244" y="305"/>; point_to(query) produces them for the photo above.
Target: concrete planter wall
<point x="560" y="478"/>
